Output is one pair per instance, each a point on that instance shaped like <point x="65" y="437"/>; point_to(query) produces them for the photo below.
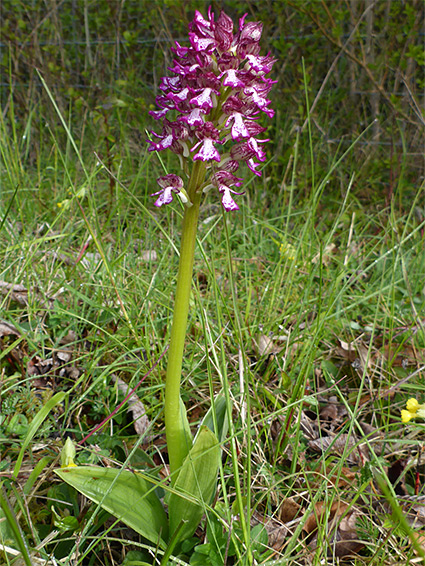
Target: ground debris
<point x="134" y="406"/>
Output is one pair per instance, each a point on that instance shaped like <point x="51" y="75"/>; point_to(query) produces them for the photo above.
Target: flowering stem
<point x="174" y="423"/>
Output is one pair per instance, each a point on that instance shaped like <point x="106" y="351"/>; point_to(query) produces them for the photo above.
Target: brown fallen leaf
<point x="9" y="335"/>
<point x="276" y="530"/>
<point x="45" y="371"/>
<point x="344" y="477"/>
<point x="17" y="293"/>
<point x="341" y="533"/>
<point x="344" y="444"/>
<point x="69" y="338"/>
<point x="7" y="329"/>
<point x="135" y="407"/>
<point x="265" y="345"/>
<point x="419" y="537"/>
<point x="414" y="510"/>
<point x="357" y="353"/>
<point x="288" y="510"/>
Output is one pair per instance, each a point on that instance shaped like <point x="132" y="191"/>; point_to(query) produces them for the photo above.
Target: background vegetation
<point x="311" y="297"/>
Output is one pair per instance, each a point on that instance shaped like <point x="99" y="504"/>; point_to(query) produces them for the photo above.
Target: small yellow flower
<point x="287" y="250"/>
<point x="406" y="416"/>
<point x="64" y="204"/>
<point x="412" y="405"/>
<point x="413" y="409"/>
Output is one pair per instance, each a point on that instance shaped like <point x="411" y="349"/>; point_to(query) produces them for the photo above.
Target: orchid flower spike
<point x="210" y="105"/>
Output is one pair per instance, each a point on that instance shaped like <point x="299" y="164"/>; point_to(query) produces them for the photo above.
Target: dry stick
<point x="400" y="383"/>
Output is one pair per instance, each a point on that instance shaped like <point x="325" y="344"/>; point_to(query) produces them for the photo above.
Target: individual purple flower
<point x="227" y="200"/>
<point x="207" y="151"/>
<point x="166" y="141"/>
<point x="204" y="100"/>
<point x="169" y="184"/>
<point x="239" y="129"/>
<point x="210" y="105"/>
<point x="223" y="180"/>
<point x="231" y="79"/>
<point x="260" y="64"/>
<point x="208" y="135"/>
<point x="194" y="118"/>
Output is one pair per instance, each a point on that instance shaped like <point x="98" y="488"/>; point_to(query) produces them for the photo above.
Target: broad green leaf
<point x="126" y="495"/>
<point x="195" y="485"/>
<point x="220" y="409"/>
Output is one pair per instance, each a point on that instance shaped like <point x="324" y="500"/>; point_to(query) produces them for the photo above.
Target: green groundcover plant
<point x="209" y="110"/>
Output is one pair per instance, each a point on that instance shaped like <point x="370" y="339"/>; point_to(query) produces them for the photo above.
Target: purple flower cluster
<point x="216" y="94"/>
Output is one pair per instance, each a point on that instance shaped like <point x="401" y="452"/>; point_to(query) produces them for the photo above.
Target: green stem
<point x="174" y="423"/>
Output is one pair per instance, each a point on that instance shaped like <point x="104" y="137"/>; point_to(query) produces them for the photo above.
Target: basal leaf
<point x="219" y="410"/>
<point x="195" y="484"/>
<point x="126" y="495"/>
